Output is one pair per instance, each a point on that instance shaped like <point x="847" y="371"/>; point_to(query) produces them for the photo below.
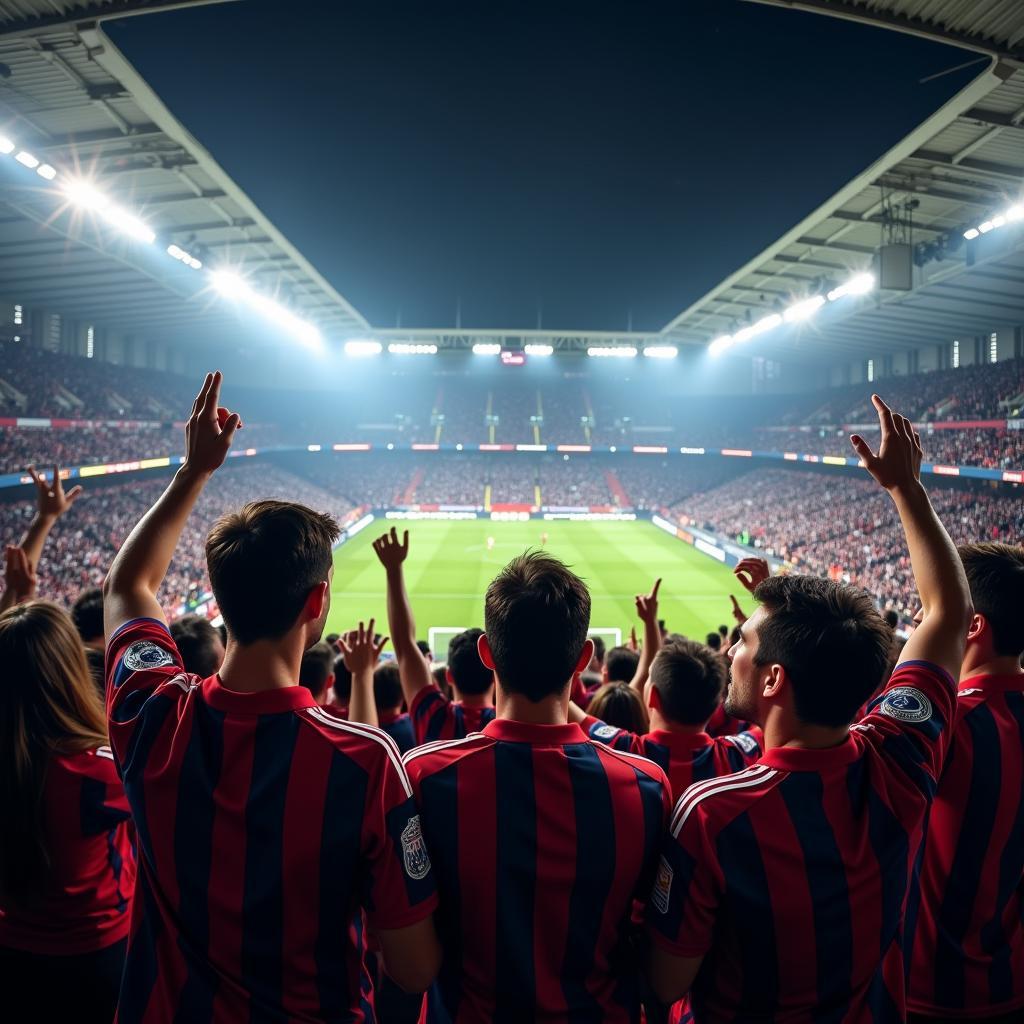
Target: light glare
<point x="404" y="348"/>
<point x="612" y="352"/>
<point x="361" y="347"/>
<point x="231" y="286"/>
<point x="804" y="309"/>
<point x="661" y="351"/>
<point x="6" y="146"/>
<point x="539" y="350"/>
<point x="46" y="171"/>
<point x="486" y="349"/>
<point x="27" y="159"/>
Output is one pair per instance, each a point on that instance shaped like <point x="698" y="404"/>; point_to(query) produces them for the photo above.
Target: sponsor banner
<point x="593" y="517"/>
<point x="412" y="515"/>
<point x="709" y="549"/>
<point x="743" y="453"/>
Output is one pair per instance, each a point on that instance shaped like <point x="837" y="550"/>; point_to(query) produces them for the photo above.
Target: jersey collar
<point x="800" y="759"/>
<point x="539" y="735"/>
<point x="680" y="742"/>
<point x="993" y="684"/>
<point x="262" y="702"/>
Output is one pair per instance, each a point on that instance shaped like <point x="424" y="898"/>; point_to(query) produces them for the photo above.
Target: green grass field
<point x="449" y="568"/>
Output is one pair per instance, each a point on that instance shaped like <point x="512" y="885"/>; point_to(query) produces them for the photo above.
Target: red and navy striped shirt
<point x="82" y="902"/>
<point x="968" y="953"/>
<point x="541" y="841"/>
<point x="398" y="725"/>
<point x="435" y="717"/>
<point x="721" y="724"/>
<point x="266" y="826"/>
<point x="685" y="759"/>
<point x="791" y="878"/>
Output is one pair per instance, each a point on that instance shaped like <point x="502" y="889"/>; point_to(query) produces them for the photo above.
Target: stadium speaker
<point x="896" y="267"/>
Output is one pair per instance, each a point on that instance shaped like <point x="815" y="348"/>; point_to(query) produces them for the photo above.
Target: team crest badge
<point x="906" y="704"/>
<point x="662" y="886"/>
<point x="414" y="850"/>
<point x="605" y="732"/>
<point x="745" y="742"/>
<point x="144" y="655"/>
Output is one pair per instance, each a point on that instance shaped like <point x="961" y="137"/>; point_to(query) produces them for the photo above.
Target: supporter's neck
<point x="659" y="723"/>
<point x="975" y="665"/>
<point x="473" y="700"/>
<point x="264" y="665"/>
<point x="783" y="729"/>
<point x="552" y="710"/>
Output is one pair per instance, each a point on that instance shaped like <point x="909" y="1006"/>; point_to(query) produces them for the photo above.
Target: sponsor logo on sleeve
<point x="662" y="886"/>
<point x="604" y="732"/>
<point x="906" y="704"/>
<point x="414" y="850"/>
<point x="745" y="742"/>
<point x="145" y="655"/>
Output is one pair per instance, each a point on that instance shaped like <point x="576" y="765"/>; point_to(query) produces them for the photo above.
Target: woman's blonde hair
<point x="48" y="705"/>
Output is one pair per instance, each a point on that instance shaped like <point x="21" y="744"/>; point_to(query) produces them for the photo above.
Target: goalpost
<point x="439" y="637"/>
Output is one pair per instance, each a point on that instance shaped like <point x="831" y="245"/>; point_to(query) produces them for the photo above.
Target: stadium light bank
<point x="859" y="284"/>
<point x="1008" y="216"/>
<point x="231" y="286"/>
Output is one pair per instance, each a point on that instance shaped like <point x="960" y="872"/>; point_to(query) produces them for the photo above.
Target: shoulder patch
<point x="144" y="655"/>
<point x="604" y="732"/>
<point x="414" y="850"/>
<point x="906" y="704"/>
<point x="662" y="886"/>
<point x="744" y="741"/>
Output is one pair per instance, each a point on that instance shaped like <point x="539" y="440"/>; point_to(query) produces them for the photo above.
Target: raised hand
<point x="750" y="572"/>
<point x="359" y="650"/>
<point x="19" y="575"/>
<point x="737" y="612"/>
<point x="210" y="429"/>
<point x="51" y="501"/>
<point x="390" y="551"/>
<point x="647" y="604"/>
<point x="633" y="644"/>
<point x="897" y="465"/>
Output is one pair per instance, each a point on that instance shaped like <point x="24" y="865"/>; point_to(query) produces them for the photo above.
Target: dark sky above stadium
<point x="588" y="163"/>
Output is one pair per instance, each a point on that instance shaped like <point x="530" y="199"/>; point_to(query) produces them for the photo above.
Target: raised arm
<point x="647" y="611"/>
<point x="361" y="655"/>
<point x="938" y="572"/>
<point x="138" y="569"/>
<point x="51" y="504"/>
<point x="413" y="668"/>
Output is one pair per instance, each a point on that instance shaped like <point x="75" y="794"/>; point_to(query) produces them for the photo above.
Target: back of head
<point x="316" y="669"/>
<point x="995" y="574"/>
<point x="48" y="704"/>
<point x="387" y="687"/>
<point x="425" y="649"/>
<point x="714" y="641"/>
<point x="689" y="679"/>
<point x="620" y="664"/>
<point x="87" y="615"/>
<point x="536" y="614"/>
<point x="620" y="705"/>
<point x="263" y="562"/>
<point x="342" y="681"/>
<point x="830" y="639"/>
<point x="892" y="618"/>
<point x="599" y="650"/>
<point x="199" y="644"/>
<point x="470" y="674"/>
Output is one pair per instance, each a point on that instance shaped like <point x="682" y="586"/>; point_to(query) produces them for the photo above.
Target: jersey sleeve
<point x="745" y="747"/>
<point x="430" y="712"/>
<point x="141" y="657"/>
<point x="610" y="736"/>
<point x="910" y="722"/>
<point x="400" y="887"/>
<point x="103" y="801"/>
<point x="687" y="887"/>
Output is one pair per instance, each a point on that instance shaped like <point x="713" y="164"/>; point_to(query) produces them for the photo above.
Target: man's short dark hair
<point x="536" y="614"/>
<point x="714" y="641"/>
<point x="995" y="574"/>
<point x="316" y="669"/>
<point x="425" y="649"/>
<point x="342" y="681"/>
<point x="87" y="614"/>
<point x="831" y="640"/>
<point x="199" y="644"/>
<point x="723" y="632"/>
<point x="892" y="618"/>
<point x="620" y="663"/>
<point x="599" y="649"/>
<point x="263" y="562"/>
<point x="690" y="680"/>
<point x="470" y="674"/>
<point x="387" y="686"/>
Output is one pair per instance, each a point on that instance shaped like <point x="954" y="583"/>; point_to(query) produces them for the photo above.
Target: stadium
<point x="132" y="265"/>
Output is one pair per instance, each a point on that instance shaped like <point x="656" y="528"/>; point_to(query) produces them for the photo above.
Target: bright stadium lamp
<point x="363" y="347"/>
<point x="408" y="348"/>
<point x="859" y="284"/>
<point x="486" y="349"/>
<point x="804" y="309"/>
<point x="27" y="159"/>
<point x="81" y="193"/>
<point x="539" y="350"/>
<point x="46" y="171"/>
<point x="612" y="352"/>
<point x="720" y="344"/>
<point x="661" y="351"/>
<point x="971" y="233"/>
<point x="6" y="146"/>
<point x="231" y="286"/>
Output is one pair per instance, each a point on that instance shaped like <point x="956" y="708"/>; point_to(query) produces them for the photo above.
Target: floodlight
<point x="361" y="347"/>
<point x="804" y="309"/>
<point x="81" y="193"/>
<point x="46" y="171"/>
<point x="538" y="350"/>
<point x="612" y="352"/>
<point x="407" y="348"/>
<point x="661" y="351"/>
<point x="971" y="233"/>
<point x="720" y="344"/>
<point x="27" y="159"/>
<point x="486" y="349"/>
<point x="231" y="286"/>
<point x="6" y="146"/>
<point x="1015" y="212"/>
<point x="985" y="226"/>
<point x="857" y="285"/>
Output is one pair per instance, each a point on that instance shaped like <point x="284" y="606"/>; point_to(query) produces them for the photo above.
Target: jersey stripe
<point x="369" y="732"/>
<point x="753" y="776"/>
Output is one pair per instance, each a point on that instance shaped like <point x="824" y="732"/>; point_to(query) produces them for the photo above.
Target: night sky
<point x="591" y="162"/>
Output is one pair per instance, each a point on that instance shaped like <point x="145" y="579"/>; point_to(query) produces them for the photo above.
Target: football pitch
<point x="449" y="568"/>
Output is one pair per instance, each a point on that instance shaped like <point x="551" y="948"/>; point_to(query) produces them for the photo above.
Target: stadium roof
<point x="957" y="169"/>
<point x="69" y="97"/>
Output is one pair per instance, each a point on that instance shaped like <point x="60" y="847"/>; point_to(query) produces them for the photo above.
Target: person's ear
<point x="483" y="648"/>
<point x="330" y="680"/>
<point x="316" y="600"/>
<point x="775" y="683"/>
<point x="584" y="659"/>
<point x="448" y="677"/>
<point x="978" y="627"/>
<point x="653" y="697"/>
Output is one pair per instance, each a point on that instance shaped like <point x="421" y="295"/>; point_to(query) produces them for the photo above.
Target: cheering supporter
<point x="573" y="482"/>
<point x="67" y="865"/>
<point x="620" y="707"/>
<point x="359" y="479"/>
<point x="620" y="666"/>
<point x="968" y="952"/>
<point x="512" y="480"/>
<point x="87" y="615"/>
<point x="686" y="686"/>
<point x="764" y="880"/>
<point x="340" y="694"/>
<point x="434" y="715"/>
<point x="387" y="695"/>
<point x="541" y="839"/>
<point x="264" y="823"/>
<point x="199" y="645"/>
<point x="316" y="670"/>
<point x="451" y="481"/>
